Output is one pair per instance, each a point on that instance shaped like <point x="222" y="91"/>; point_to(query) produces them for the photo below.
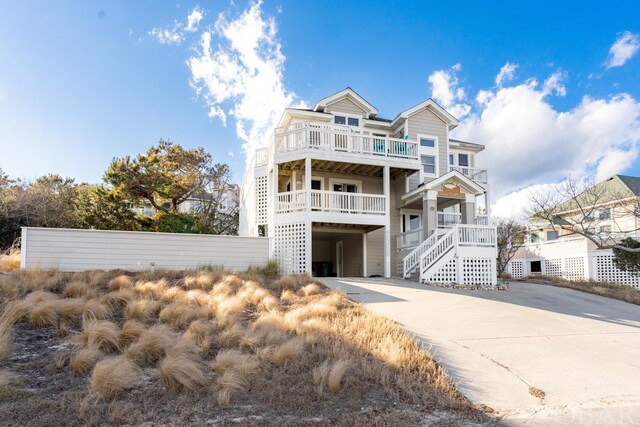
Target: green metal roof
<point x="615" y="188"/>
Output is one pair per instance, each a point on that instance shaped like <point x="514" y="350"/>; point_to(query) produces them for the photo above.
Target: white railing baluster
<point x="341" y="138"/>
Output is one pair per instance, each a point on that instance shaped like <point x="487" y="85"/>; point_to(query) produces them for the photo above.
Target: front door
<point x="339" y="258"/>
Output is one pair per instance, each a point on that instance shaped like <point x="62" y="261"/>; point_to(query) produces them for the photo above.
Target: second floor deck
<point x="337" y="139"/>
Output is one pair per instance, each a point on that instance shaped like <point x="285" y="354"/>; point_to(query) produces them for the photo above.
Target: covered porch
<point x="439" y="205"/>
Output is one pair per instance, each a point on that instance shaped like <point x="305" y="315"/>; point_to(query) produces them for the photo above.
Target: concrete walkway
<point x="581" y="350"/>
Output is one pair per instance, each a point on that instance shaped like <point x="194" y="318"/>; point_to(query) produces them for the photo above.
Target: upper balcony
<point x="474" y="174"/>
<point x="339" y="139"/>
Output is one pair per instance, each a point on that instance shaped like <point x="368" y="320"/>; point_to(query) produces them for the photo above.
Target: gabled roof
<point x="632" y="183"/>
<point x="617" y="187"/>
<point x="350" y="94"/>
<point x="432" y="105"/>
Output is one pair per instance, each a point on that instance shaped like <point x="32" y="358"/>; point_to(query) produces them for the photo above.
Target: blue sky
<point x="82" y="82"/>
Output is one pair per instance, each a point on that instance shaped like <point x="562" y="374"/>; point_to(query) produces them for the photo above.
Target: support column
<point x="275" y="187"/>
<point x="294" y="177"/>
<point x="386" y="184"/>
<point x="429" y="213"/>
<point x="364" y="255"/>
<point x="468" y="209"/>
<point x="308" y="223"/>
<point x="307" y="183"/>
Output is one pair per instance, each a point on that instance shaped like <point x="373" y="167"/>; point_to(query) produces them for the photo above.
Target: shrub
<point x="82" y="361"/>
<point x="179" y="371"/>
<point x="152" y="345"/>
<point x="113" y="375"/>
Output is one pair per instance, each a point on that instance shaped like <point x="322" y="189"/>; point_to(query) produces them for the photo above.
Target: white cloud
<point x="528" y="142"/>
<point x="173" y="35"/>
<point x="623" y="49"/>
<point x="517" y="204"/>
<point x="446" y="91"/>
<point x="176" y="34"/>
<point x="230" y="154"/>
<point x="554" y="84"/>
<point x="507" y="73"/>
<point x="194" y="18"/>
<point x="238" y="71"/>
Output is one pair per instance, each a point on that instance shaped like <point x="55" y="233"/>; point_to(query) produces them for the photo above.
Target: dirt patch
<point x="536" y="392"/>
<point x="208" y="347"/>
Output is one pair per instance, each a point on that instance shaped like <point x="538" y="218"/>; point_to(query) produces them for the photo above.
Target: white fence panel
<point x="79" y="250"/>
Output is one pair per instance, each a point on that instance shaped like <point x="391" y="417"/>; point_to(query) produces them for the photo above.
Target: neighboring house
<point x="227" y="203"/>
<point x="344" y="192"/>
<point x="608" y="212"/>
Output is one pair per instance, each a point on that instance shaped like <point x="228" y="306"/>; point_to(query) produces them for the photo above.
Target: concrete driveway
<point x="581" y="350"/>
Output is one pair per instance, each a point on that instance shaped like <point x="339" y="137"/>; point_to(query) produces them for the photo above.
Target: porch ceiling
<point x="332" y="227"/>
<point x="346" y="168"/>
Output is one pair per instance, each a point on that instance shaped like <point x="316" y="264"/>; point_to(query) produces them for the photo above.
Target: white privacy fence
<point x="79" y="250"/>
<point x="596" y="265"/>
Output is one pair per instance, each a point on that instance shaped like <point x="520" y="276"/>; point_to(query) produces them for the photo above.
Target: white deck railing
<point x="448" y="220"/>
<point x="341" y="138"/>
<point x="476" y="235"/>
<point x="475" y="174"/>
<point x="481" y="220"/>
<point x="336" y="201"/>
<point x="291" y="201"/>
<point x="262" y="156"/>
<point x="331" y="201"/>
<point x="409" y="239"/>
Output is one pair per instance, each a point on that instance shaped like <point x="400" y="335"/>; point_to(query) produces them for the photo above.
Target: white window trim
<point x="456" y="159"/>
<point x="404" y="212"/>
<point x="347" y="116"/>
<point x="429" y="151"/>
<point x="355" y="182"/>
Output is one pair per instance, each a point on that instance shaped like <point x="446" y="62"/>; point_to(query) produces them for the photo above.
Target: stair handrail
<point x="412" y="259"/>
<point x="435" y="252"/>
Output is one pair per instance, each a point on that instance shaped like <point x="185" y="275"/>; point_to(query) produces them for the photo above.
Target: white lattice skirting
<point x="261" y="199"/>
<point x="289" y="247"/>
<point x="606" y="271"/>
<point x="478" y="272"/>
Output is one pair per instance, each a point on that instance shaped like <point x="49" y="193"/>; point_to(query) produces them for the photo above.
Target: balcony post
<point x="364" y="254"/>
<point x="307" y="183"/>
<point x="386" y="184"/>
<point x="468" y="209"/>
<point x="275" y="187"/>
<point x="429" y="213"/>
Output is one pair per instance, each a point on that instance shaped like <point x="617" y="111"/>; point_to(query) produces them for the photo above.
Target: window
<point x="451" y="159"/>
<point x="463" y="160"/>
<point x="429" y="164"/>
<point x="316" y="184"/>
<point x="591" y="230"/>
<point x="605" y="213"/>
<point x="552" y="235"/>
<point x="535" y="238"/>
<point x="345" y="188"/>
<point x="590" y="217"/>
<point x="425" y="142"/>
<point x="605" y="229"/>
<point x="343" y="120"/>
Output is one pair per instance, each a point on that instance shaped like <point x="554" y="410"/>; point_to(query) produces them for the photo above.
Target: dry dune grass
<point x="10" y="262"/>
<point x="114" y="375"/>
<point x="209" y="341"/>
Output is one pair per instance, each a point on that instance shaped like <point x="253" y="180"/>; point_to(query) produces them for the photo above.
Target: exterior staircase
<point x="465" y="254"/>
